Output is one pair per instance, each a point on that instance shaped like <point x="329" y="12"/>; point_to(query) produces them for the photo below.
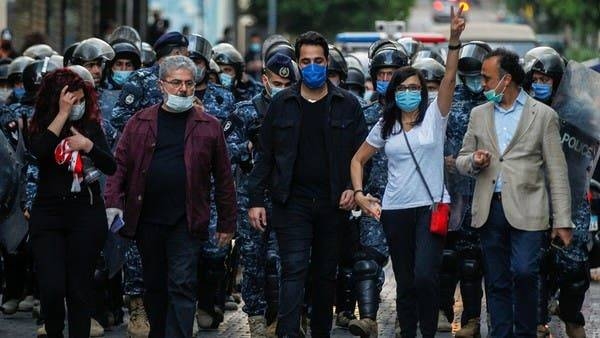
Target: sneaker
<point x="575" y="330"/>
<point x="26" y="305"/>
<point x="10" y="307"/>
<point x="138" y="326"/>
<point x="471" y="330"/>
<point x="96" y="330"/>
<point x="364" y="327"/>
<point x="443" y="324"/>
<point x="258" y="326"/>
<point x="343" y="319"/>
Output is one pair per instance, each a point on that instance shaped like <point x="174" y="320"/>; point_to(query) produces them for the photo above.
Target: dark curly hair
<point x="391" y="112"/>
<point x="508" y="62"/>
<point x="47" y="103"/>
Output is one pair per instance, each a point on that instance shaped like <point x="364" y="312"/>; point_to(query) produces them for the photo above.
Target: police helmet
<point x="126" y="50"/>
<point x="470" y="57"/>
<point x="126" y="34"/>
<point x="226" y="54"/>
<point x="68" y="54"/>
<point x="545" y="60"/>
<point x="39" y="51"/>
<point x="35" y="71"/>
<point x="277" y="44"/>
<point x="199" y="47"/>
<point x="337" y="63"/>
<point x="356" y="77"/>
<point x="428" y="53"/>
<point x="431" y="69"/>
<point x="15" y="68"/>
<point x="58" y="59"/>
<point x="148" y="55"/>
<point x="214" y="67"/>
<point x="83" y="73"/>
<point x="387" y="58"/>
<point x="383" y="43"/>
<point x="92" y="49"/>
<point x="410" y="45"/>
<point x="4" y="72"/>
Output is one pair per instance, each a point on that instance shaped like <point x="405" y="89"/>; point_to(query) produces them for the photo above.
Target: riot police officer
<point x="337" y="69"/>
<point x="232" y="74"/>
<point x="93" y="54"/>
<point x="355" y="81"/>
<point x="433" y="72"/>
<point x="148" y="55"/>
<point x="383" y="63"/>
<point x="39" y="51"/>
<point x="15" y="78"/>
<point x="564" y="269"/>
<point x="411" y="46"/>
<point x="461" y="260"/>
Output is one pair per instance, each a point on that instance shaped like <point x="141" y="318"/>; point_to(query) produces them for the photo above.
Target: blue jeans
<point x="511" y="260"/>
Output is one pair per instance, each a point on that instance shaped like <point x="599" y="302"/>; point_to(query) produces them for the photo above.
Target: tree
<point x="332" y="16"/>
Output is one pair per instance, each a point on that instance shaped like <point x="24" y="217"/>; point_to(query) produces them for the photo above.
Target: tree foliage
<point x="331" y="16"/>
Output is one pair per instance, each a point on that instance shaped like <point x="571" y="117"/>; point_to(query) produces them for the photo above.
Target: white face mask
<point x="4" y="94"/>
<point x="77" y="111"/>
<point x="179" y="104"/>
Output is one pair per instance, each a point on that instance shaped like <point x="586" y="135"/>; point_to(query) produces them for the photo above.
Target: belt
<point x="497" y="196"/>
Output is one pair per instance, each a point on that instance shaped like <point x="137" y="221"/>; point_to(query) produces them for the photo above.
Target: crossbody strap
<point x="412" y="154"/>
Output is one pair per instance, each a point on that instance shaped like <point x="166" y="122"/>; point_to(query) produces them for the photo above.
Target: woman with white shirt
<point x="406" y="209"/>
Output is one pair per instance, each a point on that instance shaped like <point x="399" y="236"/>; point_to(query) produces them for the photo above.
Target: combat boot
<point x="343" y="319"/>
<point x="138" y="326"/>
<point x="10" y="307"/>
<point x="271" y="331"/>
<point x="365" y="327"/>
<point x="471" y="330"/>
<point x="575" y="330"/>
<point x="96" y="330"/>
<point x="26" y="305"/>
<point x="257" y="325"/>
<point x="443" y="324"/>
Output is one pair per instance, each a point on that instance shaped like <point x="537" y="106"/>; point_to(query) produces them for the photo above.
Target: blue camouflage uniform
<point x="246" y="91"/>
<point x="107" y="99"/>
<point x="140" y="91"/>
<point x="255" y="248"/>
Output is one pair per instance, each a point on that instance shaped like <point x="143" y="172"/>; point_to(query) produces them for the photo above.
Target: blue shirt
<point x="506" y="122"/>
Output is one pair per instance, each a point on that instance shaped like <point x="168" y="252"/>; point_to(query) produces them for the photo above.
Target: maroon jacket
<point x="205" y="154"/>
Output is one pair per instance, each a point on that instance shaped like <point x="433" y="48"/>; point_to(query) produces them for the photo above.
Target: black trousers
<point x="67" y="235"/>
<point x="416" y="258"/>
<point x="307" y="233"/>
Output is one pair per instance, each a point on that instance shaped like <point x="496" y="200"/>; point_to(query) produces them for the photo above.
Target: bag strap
<point x="412" y="154"/>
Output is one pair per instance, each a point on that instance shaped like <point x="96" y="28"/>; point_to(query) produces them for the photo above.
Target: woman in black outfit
<point x="68" y="220"/>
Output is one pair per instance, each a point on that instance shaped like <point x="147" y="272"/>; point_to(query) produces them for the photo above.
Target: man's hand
<point x="481" y="159"/>
<point x="258" y="218"/>
<point x="450" y="163"/>
<point x="565" y="235"/>
<point x="223" y="238"/>
<point x="369" y="205"/>
<point x="347" y="200"/>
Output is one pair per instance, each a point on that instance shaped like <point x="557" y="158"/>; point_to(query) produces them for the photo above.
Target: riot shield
<point x="9" y="179"/>
<point x="578" y="106"/>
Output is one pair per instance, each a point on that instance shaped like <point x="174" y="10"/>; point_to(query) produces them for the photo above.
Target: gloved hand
<point x="111" y="213"/>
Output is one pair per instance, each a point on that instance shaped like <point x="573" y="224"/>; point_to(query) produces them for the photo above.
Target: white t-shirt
<point x="405" y="189"/>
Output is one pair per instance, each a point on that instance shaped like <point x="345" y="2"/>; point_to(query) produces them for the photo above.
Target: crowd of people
<point x="151" y="178"/>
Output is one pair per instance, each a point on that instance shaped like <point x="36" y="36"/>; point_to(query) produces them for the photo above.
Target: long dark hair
<point x="393" y="114"/>
<point x="48" y="97"/>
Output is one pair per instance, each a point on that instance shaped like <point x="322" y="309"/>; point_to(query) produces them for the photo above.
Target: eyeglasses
<point x="402" y="88"/>
<point x="178" y="83"/>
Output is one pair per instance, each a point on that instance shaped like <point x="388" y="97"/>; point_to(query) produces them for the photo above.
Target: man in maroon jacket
<point x="165" y="160"/>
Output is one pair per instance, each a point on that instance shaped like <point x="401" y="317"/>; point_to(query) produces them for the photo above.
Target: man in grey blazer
<point x="512" y="148"/>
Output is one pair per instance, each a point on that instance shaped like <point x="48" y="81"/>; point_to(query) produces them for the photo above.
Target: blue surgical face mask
<point x="492" y="96"/>
<point x="381" y="86"/>
<point x="77" y="111"/>
<point x="226" y="80"/>
<point x="473" y="83"/>
<point x="120" y="76"/>
<point x="431" y="96"/>
<point x="200" y="74"/>
<point x="408" y="100"/>
<point x="179" y="104"/>
<point x="367" y="95"/>
<point x="19" y="92"/>
<point x="541" y="91"/>
<point x="314" y="75"/>
<point x="255" y="47"/>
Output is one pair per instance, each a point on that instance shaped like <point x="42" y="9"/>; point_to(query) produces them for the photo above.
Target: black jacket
<point x="279" y="136"/>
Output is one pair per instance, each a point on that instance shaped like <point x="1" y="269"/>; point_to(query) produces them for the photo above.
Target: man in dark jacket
<point x="165" y="160"/>
<point x="308" y="137"/>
